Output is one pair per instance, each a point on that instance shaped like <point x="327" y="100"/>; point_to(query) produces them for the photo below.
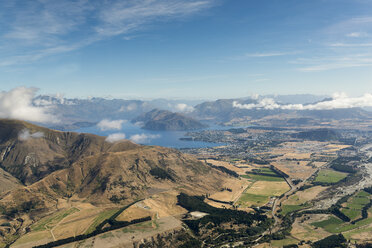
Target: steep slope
<point x="30" y="152"/>
<point x="7" y="181"/>
<point x="119" y="177"/>
<point x="68" y="167"/>
<point x="163" y="120"/>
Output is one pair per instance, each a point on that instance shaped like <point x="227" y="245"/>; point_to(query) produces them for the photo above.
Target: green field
<point x="263" y="178"/>
<point x="247" y="199"/>
<point x="353" y="207"/>
<point x="266" y="170"/>
<point x="50" y="221"/>
<point x="329" y="224"/>
<point x="290" y="208"/>
<point x="335" y="225"/>
<point x="329" y="176"/>
<point x="283" y="242"/>
<point x="267" y="175"/>
<point x="262" y="188"/>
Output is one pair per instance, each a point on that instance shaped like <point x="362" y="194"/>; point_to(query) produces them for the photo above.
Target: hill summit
<point x="46" y="167"/>
<point x="163" y="120"/>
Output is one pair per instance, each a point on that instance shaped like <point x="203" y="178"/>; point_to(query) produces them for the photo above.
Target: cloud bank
<point x="106" y="124"/>
<point x="115" y="137"/>
<point x="25" y="135"/>
<point x="338" y="101"/>
<point x="143" y="138"/>
<point x="17" y="104"/>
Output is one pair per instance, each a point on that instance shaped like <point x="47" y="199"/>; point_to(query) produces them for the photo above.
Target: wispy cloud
<point x="38" y="29"/>
<point x="259" y="55"/>
<point x="333" y="62"/>
<point x="124" y="16"/>
<point x="262" y="55"/>
<point x="353" y="27"/>
<point x="351" y="44"/>
<point x="37" y="54"/>
<point x="345" y="44"/>
<point x="357" y="34"/>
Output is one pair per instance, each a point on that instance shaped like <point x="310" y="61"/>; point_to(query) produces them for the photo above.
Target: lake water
<point x="148" y="137"/>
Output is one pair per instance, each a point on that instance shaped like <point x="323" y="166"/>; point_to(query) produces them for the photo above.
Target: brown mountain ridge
<point x="47" y="167"/>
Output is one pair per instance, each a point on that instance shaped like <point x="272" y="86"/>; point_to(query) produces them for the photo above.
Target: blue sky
<point x="186" y="48"/>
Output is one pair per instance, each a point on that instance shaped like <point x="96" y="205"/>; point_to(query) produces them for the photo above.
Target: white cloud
<point x="354" y="27"/>
<point x="125" y="16"/>
<point x="17" y="104"/>
<point x="333" y="63"/>
<point x="338" y="101"/>
<point x="42" y="102"/>
<point x="110" y="125"/>
<point x="351" y="45"/>
<point x="25" y="135"/>
<point x="38" y="29"/>
<point x="139" y="124"/>
<point x="346" y="45"/>
<point x="45" y="20"/>
<point x="130" y="107"/>
<point x="357" y="34"/>
<point x="143" y="138"/>
<point x="182" y="107"/>
<point x="115" y="137"/>
<point x="262" y="55"/>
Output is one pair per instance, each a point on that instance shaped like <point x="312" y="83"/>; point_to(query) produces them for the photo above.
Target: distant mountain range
<point x="224" y="111"/>
<point x="76" y="113"/>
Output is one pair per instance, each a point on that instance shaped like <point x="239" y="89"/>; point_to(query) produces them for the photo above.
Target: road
<point x="278" y="201"/>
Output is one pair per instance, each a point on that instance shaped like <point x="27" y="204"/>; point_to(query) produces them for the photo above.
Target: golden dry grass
<point x="303" y="230"/>
<point x="295" y="169"/>
<point x="32" y="239"/>
<point x="361" y="234"/>
<point x="294" y="155"/>
<point x="237" y="188"/>
<point x="77" y="223"/>
<point x="165" y="204"/>
<point x="335" y="147"/>
<point x="217" y="204"/>
<point x="319" y="164"/>
<point x="267" y="188"/>
<point x="226" y="165"/>
<point x="135" y="212"/>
